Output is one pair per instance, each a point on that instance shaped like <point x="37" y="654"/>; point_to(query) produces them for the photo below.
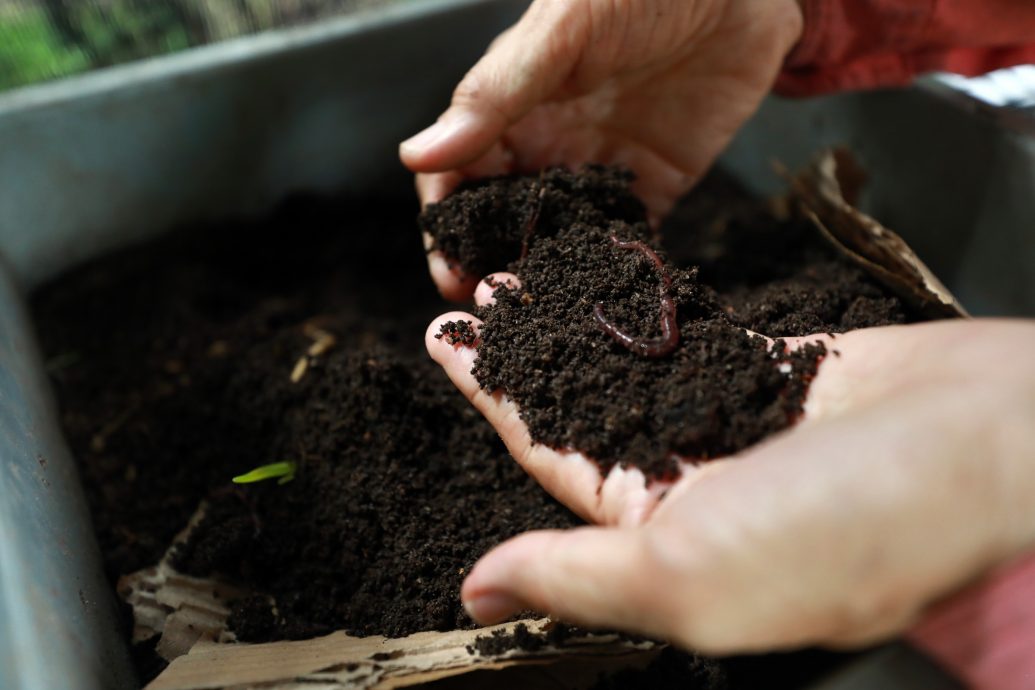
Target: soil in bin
<point x="173" y="363"/>
<point x="609" y="349"/>
<point x="183" y="354"/>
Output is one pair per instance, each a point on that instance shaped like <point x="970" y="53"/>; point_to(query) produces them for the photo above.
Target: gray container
<point x="94" y="163"/>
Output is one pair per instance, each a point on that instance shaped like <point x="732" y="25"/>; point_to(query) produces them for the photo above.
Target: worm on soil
<point x="667" y="342"/>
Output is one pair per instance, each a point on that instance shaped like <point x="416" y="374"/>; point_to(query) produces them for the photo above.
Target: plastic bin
<point x="100" y="161"/>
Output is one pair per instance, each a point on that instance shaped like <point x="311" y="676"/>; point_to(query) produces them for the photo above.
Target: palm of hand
<point x="893" y="489"/>
<point x="836" y="531"/>
<point x="624" y="497"/>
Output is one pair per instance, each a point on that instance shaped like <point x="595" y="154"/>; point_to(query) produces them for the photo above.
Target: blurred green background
<point x="45" y="39"/>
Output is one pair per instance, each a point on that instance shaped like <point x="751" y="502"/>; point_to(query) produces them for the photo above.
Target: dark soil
<point x="671" y="670"/>
<point x="385" y="448"/>
<point x="458" y="332"/>
<point x="177" y="357"/>
<point x="508" y="212"/>
<point x="715" y="391"/>
<point x="500" y="641"/>
<point x="172" y="364"/>
<point x="772" y="272"/>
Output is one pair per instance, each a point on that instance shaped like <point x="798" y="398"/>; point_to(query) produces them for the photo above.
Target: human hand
<point x="659" y="87"/>
<point x="911" y="471"/>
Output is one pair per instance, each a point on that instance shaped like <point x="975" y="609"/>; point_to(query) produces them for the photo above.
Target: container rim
<point x="221" y="55"/>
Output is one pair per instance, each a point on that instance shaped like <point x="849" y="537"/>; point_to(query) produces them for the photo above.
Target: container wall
<point x="105" y="160"/>
<point x="958" y="186"/>
<point x="91" y="163"/>
<point x="58" y="621"/>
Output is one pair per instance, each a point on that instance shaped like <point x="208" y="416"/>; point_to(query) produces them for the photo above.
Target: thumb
<point x="592" y="576"/>
<point x="522" y="68"/>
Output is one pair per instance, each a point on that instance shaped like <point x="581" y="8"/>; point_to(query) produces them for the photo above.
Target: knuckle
<point x="480" y="91"/>
<point x="470" y="89"/>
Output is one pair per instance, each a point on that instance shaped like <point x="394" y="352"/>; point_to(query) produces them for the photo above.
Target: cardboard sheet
<point x="188" y="616"/>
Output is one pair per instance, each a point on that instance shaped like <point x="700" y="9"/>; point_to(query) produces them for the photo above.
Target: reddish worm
<point x="667" y="342"/>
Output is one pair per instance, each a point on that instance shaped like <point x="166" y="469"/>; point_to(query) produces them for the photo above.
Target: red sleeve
<point x="985" y="634"/>
<point x="859" y="44"/>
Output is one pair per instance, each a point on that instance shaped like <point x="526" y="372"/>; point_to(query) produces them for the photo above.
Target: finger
<point x="658" y="183"/>
<point x="627" y="498"/>
<point x="498" y="160"/>
<point x="820" y="395"/>
<point x="485" y="293"/>
<point x="520" y="69"/>
<point x="452" y="283"/>
<point x="434" y="187"/>
<point x="690" y="475"/>
<point x="852" y="374"/>
<point x="593" y="576"/>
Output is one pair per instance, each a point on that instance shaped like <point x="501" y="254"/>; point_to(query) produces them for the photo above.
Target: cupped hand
<point x="911" y="472"/>
<point x="659" y="86"/>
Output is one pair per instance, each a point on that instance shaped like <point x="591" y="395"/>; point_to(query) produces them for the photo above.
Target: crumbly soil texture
<point x="173" y="364"/>
<point x="190" y="359"/>
<point x="611" y="348"/>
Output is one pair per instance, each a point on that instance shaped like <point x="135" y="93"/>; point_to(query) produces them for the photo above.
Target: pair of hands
<point x="913" y="468"/>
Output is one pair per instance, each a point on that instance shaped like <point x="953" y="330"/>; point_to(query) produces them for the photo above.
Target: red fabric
<point x="985" y="634"/>
<point x="859" y="44"/>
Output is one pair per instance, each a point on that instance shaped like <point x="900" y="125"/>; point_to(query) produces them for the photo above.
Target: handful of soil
<point x="608" y="348"/>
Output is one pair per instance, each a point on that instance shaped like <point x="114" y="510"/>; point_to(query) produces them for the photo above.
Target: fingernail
<point x="492" y="607"/>
<point x="444" y="129"/>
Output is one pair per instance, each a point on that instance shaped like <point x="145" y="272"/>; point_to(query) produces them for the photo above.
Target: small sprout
<point x="284" y="470"/>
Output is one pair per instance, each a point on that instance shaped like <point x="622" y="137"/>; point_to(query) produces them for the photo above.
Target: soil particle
<point x="670" y="670"/>
<point x="458" y="333"/>
<point x="521" y="638"/>
<point x="511" y="212"/>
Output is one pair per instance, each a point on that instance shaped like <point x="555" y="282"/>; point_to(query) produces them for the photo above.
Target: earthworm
<point x="669" y="338"/>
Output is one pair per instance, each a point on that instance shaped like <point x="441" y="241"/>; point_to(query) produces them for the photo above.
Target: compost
<point x="217" y="349"/>
<point x="610" y="349"/>
<point x="186" y="374"/>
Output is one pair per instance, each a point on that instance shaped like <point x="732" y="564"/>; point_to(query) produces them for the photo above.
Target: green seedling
<point x="284" y="470"/>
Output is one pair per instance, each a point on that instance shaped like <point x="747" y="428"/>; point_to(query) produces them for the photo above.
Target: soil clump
<point x="611" y="349"/>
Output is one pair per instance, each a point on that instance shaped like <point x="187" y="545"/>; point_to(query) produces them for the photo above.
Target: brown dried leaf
<point x="825" y="192"/>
